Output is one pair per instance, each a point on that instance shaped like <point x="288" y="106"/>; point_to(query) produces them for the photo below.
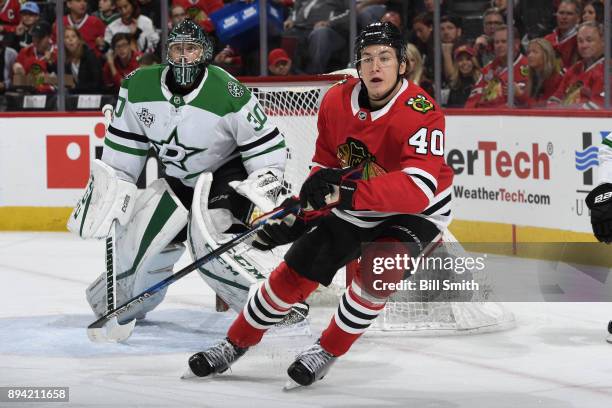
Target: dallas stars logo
<point x="172" y="152"/>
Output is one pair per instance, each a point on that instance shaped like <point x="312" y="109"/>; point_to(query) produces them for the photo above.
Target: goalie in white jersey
<point x="599" y="201"/>
<point x="208" y="132"/>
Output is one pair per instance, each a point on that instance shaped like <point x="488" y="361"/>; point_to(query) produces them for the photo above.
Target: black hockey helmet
<point x="380" y="34"/>
<point x="189" y="51"/>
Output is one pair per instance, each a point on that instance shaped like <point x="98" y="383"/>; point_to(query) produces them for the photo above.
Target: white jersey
<point x="605" y="160"/>
<point x="191" y="134"/>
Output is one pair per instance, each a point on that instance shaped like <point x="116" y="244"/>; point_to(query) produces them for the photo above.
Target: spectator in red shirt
<point x="37" y="60"/>
<point x="120" y="61"/>
<point x="563" y="38"/>
<point x="199" y="10"/>
<point x="492" y="89"/>
<point x="583" y="83"/>
<point x="9" y="15"/>
<point x="543" y="77"/>
<point x="90" y="27"/>
<point x="279" y="63"/>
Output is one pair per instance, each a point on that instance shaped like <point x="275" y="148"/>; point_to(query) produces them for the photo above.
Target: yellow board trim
<point x="34" y="218"/>
<point x="520" y="239"/>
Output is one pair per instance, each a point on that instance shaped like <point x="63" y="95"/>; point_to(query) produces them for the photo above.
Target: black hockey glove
<point x="330" y="187"/>
<point x="599" y="201"/>
<point x="280" y="231"/>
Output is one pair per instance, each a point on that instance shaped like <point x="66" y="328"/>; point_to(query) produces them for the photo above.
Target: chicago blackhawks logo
<point x="524" y="70"/>
<point x="420" y="104"/>
<point x="235" y="89"/>
<point x="355" y="153"/>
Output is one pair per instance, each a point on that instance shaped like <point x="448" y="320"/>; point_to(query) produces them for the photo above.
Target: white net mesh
<point x="293" y="107"/>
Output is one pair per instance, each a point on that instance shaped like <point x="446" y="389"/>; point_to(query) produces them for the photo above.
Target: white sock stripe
<point x="260" y="315"/>
<point x="360" y="293"/>
<point x="359" y="307"/>
<point x="350" y="316"/>
<point x="346" y="328"/>
<point x="275" y="298"/>
<point x="270" y="308"/>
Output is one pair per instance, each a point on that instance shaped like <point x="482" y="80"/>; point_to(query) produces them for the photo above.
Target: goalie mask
<point x="189" y="51"/>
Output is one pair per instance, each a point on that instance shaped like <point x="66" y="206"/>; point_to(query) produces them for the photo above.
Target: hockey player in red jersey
<point x="391" y="133"/>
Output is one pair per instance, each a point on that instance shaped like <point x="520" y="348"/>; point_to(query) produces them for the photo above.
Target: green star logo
<point x="172" y="152"/>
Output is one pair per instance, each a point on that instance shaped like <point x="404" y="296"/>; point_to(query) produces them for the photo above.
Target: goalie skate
<point x="216" y="360"/>
<point x="309" y="366"/>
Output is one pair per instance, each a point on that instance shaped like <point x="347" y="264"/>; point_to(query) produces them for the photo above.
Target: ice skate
<point x="309" y="366"/>
<point x="216" y="360"/>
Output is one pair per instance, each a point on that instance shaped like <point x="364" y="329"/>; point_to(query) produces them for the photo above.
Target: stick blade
<point x="111" y="332"/>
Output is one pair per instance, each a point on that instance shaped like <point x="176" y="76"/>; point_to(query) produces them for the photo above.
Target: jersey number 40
<point x="423" y="146"/>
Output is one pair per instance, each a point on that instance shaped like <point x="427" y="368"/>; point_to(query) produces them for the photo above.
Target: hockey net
<point x="292" y="105"/>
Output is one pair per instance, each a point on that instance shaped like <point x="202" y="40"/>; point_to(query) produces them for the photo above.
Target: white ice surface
<point x="557" y="356"/>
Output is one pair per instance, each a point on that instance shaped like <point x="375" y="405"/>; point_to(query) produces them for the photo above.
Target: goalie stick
<point x="106" y="328"/>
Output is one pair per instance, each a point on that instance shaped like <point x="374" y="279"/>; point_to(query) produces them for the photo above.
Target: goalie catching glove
<point x="599" y="201"/>
<point x="330" y="188"/>
<point x="262" y="187"/>
<point x="280" y="231"/>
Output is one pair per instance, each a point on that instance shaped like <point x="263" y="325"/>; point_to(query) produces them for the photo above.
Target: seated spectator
<point x="583" y="84"/>
<point x="120" y="61"/>
<point x="414" y="69"/>
<point x="429" y="6"/>
<point x="29" y="13"/>
<point x="369" y="11"/>
<point x="90" y="27"/>
<point x="36" y="62"/>
<point x="9" y="15"/>
<point x="563" y="38"/>
<point x="450" y="35"/>
<point x="395" y="18"/>
<point x="314" y="32"/>
<point x="491" y="19"/>
<point x="199" y="10"/>
<point x="229" y="59"/>
<point x="492" y="89"/>
<point x="7" y="59"/>
<point x="132" y="22"/>
<point x="593" y="11"/>
<point x="177" y="15"/>
<point x="463" y="78"/>
<point x="422" y="27"/>
<point x="502" y="6"/>
<point x="82" y="70"/>
<point x="279" y="63"/>
<point x="543" y="77"/>
<point x="107" y="11"/>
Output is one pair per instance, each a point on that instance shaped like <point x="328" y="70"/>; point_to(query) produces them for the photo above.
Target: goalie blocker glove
<point x="280" y="231"/>
<point x="599" y="201"/>
<point x="330" y="188"/>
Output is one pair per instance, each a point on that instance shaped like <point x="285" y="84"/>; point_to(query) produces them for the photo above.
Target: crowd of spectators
<point x="557" y="49"/>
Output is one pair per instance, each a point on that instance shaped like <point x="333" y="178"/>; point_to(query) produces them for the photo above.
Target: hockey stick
<point x="113" y="330"/>
<point x="104" y="328"/>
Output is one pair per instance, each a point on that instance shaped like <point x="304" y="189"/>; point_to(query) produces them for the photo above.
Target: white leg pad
<point x="142" y="257"/>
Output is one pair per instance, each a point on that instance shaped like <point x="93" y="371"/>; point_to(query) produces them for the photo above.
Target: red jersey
<point x="36" y="66"/>
<point x="199" y="10"/>
<point x="403" y="141"/>
<point x="547" y="89"/>
<point x="583" y="88"/>
<point x="9" y="16"/>
<point x="114" y="82"/>
<point x="91" y="27"/>
<point x="491" y="90"/>
<point x="566" y="46"/>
